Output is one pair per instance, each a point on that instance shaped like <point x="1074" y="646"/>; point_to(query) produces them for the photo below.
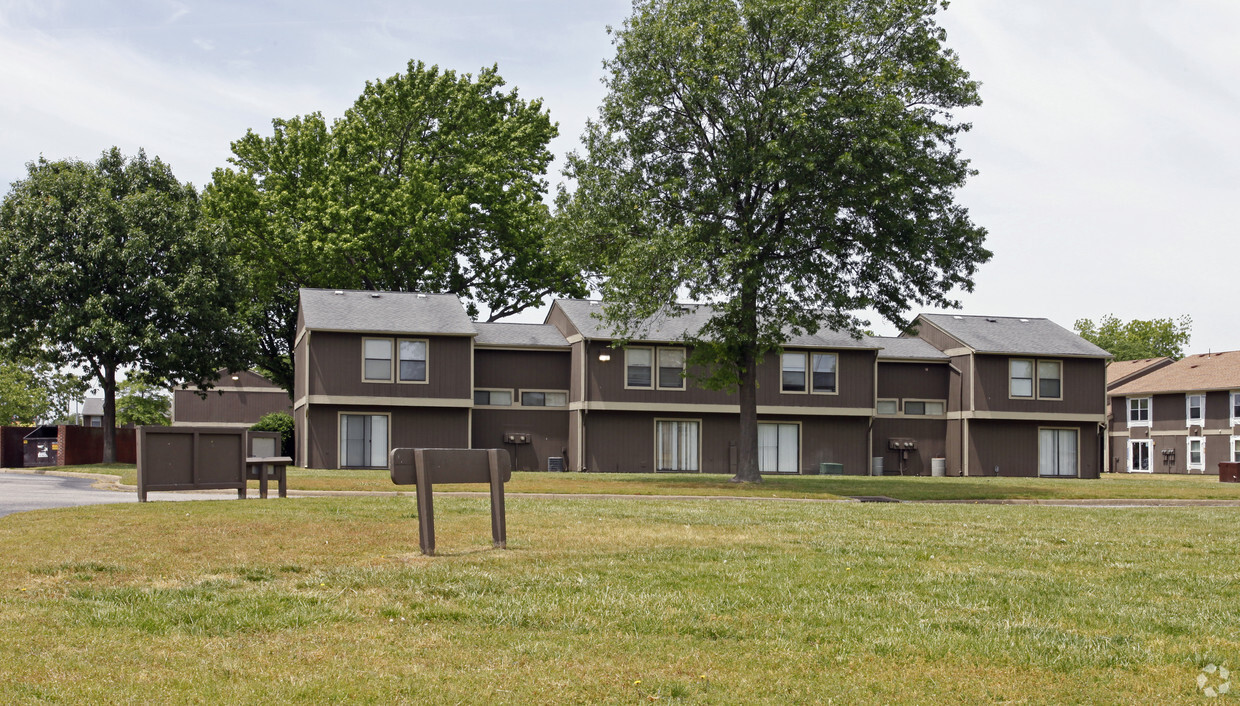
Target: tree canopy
<point x="1139" y="338"/>
<point x="788" y="161"/>
<point x="432" y="181"/>
<point x="108" y="266"/>
<point x="31" y="392"/>
<point x="142" y="404"/>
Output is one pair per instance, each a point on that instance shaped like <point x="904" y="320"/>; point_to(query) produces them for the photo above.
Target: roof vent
<point x="338" y="292"/>
<point x="1024" y="321"/>
<point x="993" y="321"/>
<point x="374" y="295"/>
<point x="593" y="303"/>
<point x="421" y="295"/>
<point x="958" y="318"/>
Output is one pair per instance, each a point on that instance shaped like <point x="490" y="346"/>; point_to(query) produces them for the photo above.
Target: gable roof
<point x="92" y="407"/>
<point x="384" y="312"/>
<point x="1204" y="371"/>
<point x="673" y="329"/>
<point x="1121" y="370"/>
<point x="519" y="335"/>
<point x="1014" y="335"/>
<point x="907" y="349"/>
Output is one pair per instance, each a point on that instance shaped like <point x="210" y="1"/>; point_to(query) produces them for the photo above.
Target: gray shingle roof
<point x="1010" y="334"/>
<point x="384" y="312"/>
<point x="674" y="328"/>
<point x="519" y="335"/>
<point x="907" y="349"/>
<point x="92" y="407"/>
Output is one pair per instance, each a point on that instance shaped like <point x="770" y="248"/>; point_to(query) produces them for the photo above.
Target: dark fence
<point x="191" y="458"/>
<point x="81" y="445"/>
<point x="11" y="446"/>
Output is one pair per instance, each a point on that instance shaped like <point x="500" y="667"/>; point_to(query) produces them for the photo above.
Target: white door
<point x="1139" y="456"/>
<point x="1057" y="455"/>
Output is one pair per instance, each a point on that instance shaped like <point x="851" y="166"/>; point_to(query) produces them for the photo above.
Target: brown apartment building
<point x="1025" y="397"/>
<point x="376" y="370"/>
<point x="1181" y="417"/>
<point x="237" y="399"/>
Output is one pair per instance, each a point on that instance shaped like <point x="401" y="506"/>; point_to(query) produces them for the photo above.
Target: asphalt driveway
<point x="20" y="492"/>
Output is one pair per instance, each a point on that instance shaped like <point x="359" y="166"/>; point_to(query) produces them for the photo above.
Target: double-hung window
<point x="1050" y="380"/>
<point x="413" y="360"/>
<point x="779" y="447"/>
<point x="1235" y="449"/>
<point x="1197" y="453"/>
<point x="638" y="363"/>
<point x="1194" y="410"/>
<point x="1139" y="411"/>
<point x="1020" y="378"/>
<point x="1235" y="408"/>
<point x="792" y="372"/>
<point x="822" y="375"/>
<point x="377" y="363"/>
<point x="671" y="368"/>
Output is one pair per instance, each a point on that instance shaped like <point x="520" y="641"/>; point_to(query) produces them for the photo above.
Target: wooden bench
<point x="261" y="468"/>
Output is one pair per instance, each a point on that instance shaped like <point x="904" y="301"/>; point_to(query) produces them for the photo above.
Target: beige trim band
<point x="574" y="338"/>
<point x="1187" y="432"/>
<point x="234" y="425"/>
<point x="260" y="390"/>
<point x="1030" y="416"/>
<point x="385" y="401"/>
<point x="663" y="407"/>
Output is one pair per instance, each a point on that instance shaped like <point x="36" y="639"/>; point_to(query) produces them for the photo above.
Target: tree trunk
<point x="747" y="360"/>
<point x="747" y="444"/>
<point x="109" y="413"/>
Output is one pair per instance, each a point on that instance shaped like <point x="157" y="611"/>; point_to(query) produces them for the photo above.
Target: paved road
<point x="20" y="492"/>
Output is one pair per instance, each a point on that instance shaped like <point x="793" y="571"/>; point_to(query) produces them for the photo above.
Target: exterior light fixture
<point x="236" y="377"/>
<point x="604" y="356"/>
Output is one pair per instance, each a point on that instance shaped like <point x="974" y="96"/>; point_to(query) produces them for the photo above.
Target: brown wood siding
<point x="1118" y="412"/>
<point x="854" y="375"/>
<point x="930" y="435"/>
<point x="335" y="363"/>
<point x="527" y="369"/>
<point x="1168" y="413"/>
<point x="623" y="442"/>
<point x="928" y="333"/>
<point x="1218" y="415"/>
<point x="913" y="380"/>
<point x="556" y="318"/>
<point x="1012" y="447"/>
<point x="952" y="447"/>
<point x="574" y="375"/>
<point x="548" y="432"/>
<point x="958" y="383"/>
<point x="574" y="456"/>
<point x="227" y="406"/>
<point x="300" y="367"/>
<point x="410" y="427"/>
<point x="1083" y="386"/>
<point x="300" y="436"/>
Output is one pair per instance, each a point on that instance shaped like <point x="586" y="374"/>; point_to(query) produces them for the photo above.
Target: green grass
<point x="610" y="601"/>
<point x="1118" y="486"/>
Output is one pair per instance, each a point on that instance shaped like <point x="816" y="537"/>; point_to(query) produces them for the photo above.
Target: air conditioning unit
<point x="555" y="464"/>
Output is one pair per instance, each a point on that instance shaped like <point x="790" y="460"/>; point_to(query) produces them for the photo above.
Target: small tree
<point x="281" y="422"/>
<point x="31" y="392"/>
<point x="1139" y="338"/>
<point x="107" y="266"/>
<point x="142" y="404"/>
<point x="788" y="161"/>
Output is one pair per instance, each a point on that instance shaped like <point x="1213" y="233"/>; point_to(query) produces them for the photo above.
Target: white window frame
<point x="391" y="359"/>
<point x="804" y="355"/>
<point x="658" y="368"/>
<point x="1188" y="454"/>
<point x="1188" y="406"/>
<point x="520" y="399"/>
<point x="653" y="367"/>
<point x="1033" y="379"/>
<point x="895" y="407"/>
<point x="340" y="441"/>
<point x="1235" y="449"/>
<point x="1149" y="455"/>
<point x="698" y="453"/>
<point x="1037" y="372"/>
<point x="98" y="421"/>
<point x="778" y="449"/>
<point x="809" y="373"/>
<point x="426" y="362"/>
<point x="1149" y="411"/>
<point x="512" y="396"/>
<point x="1233" y="402"/>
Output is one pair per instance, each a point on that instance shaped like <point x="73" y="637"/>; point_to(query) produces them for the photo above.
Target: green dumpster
<point x="830" y="469"/>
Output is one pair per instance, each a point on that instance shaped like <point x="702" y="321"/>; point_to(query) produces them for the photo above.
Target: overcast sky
<point x="1107" y="144"/>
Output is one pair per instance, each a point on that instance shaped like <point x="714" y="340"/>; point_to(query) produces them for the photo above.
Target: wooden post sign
<point x="424" y="467"/>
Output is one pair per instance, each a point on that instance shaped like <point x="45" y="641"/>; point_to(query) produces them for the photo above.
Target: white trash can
<point x="876" y="468"/>
<point x="938" y="467"/>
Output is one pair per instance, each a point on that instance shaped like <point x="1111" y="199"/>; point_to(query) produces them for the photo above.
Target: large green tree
<point x="789" y="161"/>
<point x="108" y="265"/>
<point x="1139" y="338"/>
<point x="432" y="181"/>
<point x="31" y="391"/>
<point x="140" y="403"/>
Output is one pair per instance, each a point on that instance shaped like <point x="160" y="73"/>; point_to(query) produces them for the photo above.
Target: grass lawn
<point x="613" y="601"/>
<point x="1119" y="485"/>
